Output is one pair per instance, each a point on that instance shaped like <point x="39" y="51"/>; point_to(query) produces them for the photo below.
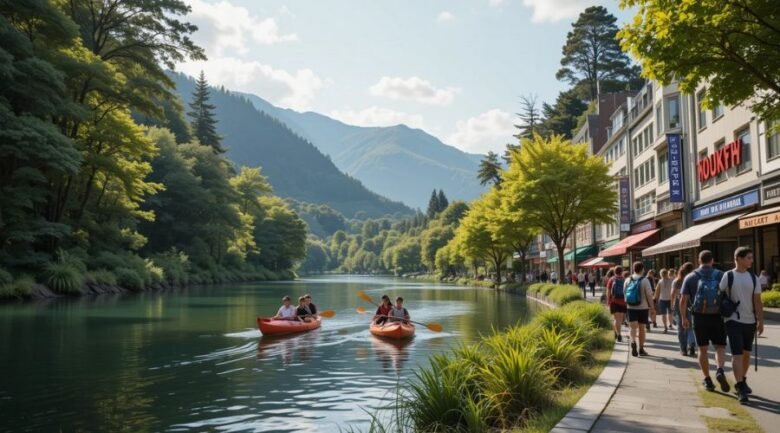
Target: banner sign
<point x="727" y="205"/>
<point x="625" y="200"/>
<point x="676" y="185"/>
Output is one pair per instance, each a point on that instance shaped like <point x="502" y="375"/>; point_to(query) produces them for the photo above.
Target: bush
<point x="564" y="353"/>
<point x="535" y="288"/>
<point x="129" y="279"/>
<point x="156" y="273"/>
<point x="594" y="315"/>
<point x="546" y="289"/>
<point x="22" y="286"/>
<point x="5" y="277"/>
<point x="63" y="278"/>
<point x="771" y="299"/>
<point x="776" y="287"/>
<point x="562" y="295"/>
<point x="102" y="277"/>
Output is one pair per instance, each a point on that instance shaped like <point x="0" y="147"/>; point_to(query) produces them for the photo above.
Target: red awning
<point x="596" y="262"/>
<point x="639" y="240"/>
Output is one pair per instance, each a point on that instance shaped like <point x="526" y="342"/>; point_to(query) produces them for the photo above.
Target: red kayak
<point x="270" y="326"/>
<point x="394" y="330"/>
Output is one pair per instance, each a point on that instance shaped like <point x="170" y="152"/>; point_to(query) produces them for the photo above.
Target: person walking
<point x="616" y="299"/>
<point x="663" y="299"/>
<point x="653" y="282"/>
<point x="741" y="287"/>
<point x="592" y="283"/>
<point x="684" y="335"/>
<point x="763" y="281"/>
<point x="700" y="294"/>
<point x="554" y="277"/>
<point x="581" y="277"/>
<point x="639" y="306"/>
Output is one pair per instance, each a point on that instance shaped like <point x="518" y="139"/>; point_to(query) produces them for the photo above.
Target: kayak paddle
<point x="435" y="327"/>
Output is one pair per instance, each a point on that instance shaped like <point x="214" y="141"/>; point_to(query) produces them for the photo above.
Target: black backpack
<point x="727" y="305"/>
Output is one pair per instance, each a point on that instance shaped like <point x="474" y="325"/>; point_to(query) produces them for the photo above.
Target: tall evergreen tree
<point x="530" y="117"/>
<point x="433" y="205"/>
<point x="561" y="117"/>
<point x="204" y="124"/>
<point x="489" y="169"/>
<point x="592" y="57"/>
<point x="442" y="201"/>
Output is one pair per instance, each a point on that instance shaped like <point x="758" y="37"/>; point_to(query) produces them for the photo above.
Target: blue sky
<point x="455" y="68"/>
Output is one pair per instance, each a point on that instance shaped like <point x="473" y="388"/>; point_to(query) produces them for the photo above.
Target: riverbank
<point x="511" y="287"/>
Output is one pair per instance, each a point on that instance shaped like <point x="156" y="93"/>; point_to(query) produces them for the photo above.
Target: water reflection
<point x="391" y="354"/>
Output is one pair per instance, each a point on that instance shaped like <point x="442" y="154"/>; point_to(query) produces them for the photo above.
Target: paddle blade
<point x="364" y="296"/>
<point x="435" y="327"/>
<point x="327" y="314"/>
<point x="360" y="310"/>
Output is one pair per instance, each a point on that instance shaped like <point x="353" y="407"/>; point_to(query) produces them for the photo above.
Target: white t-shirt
<point x="553" y="275"/>
<point x="665" y="286"/>
<point x="763" y="280"/>
<point x="646" y="288"/>
<point x="287" y="312"/>
<point x="581" y="277"/>
<point x="742" y="291"/>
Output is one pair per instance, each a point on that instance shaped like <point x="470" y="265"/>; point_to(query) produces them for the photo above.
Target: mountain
<point x="294" y="167"/>
<point x="399" y="162"/>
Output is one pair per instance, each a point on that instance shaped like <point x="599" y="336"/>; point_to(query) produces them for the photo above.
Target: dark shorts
<point x="640" y="316"/>
<point x="709" y="328"/>
<point x="740" y="336"/>
<point x="664" y="307"/>
<point x="617" y="308"/>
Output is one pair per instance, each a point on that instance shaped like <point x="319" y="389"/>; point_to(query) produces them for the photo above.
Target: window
<point x="746" y="163"/>
<point x="617" y="122"/>
<point x="663" y="167"/>
<point x="717" y="112"/>
<point x="644" y="173"/>
<point x="702" y="115"/>
<point x="723" y="174"/>
<point x="708" y="182"/>
<point x="673" y="112"/>
<point x="659" y="121"/>
<point x="622" y="146"/>
<point x="644" y="204"/>
<point x="773" y="140"/>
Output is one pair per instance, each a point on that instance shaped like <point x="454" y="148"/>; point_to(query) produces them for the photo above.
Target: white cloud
<point x="444" y="17"/>
<point x="413" y="89"/>
<point x="377" y="116"/>
<point x="556" y="10"/>
<point x="294" y="90"/>
<point x="491" y="130"/>
<point x="223" y="26"/>
<point x="497" y="3"/>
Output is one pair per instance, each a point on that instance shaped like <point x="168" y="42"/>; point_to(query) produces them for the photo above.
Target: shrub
<point x="5" y="277"/>
<point x="437" y="394"/>
<point x="22" y="286"/>
<point x="594" y="315"/>
<point x="517" y="381"/>
<point x="103" y="277"/>
<point x="562" y="295"/>
<point x="776" y="287"/>
<point x="535" y="288"/>
<point x="771" y="299"/>
<point x="156" y="273"/>
<point x="129" y="279"/>
<point x="63" y="277"/>
<point x="563" y="352"/>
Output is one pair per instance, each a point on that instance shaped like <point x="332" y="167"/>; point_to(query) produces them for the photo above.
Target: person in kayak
<point x="398" y="312"/>
<point x="302" y="313"/>
<point x="383" y="311"/>
<point x="310" y="307"/>
<point x="286" y="311"/>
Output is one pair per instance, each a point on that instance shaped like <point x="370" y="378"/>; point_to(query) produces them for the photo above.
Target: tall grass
<point x="63" y="277"/>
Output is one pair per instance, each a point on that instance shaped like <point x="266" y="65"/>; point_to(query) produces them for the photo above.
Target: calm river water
<point x="194" y="360"/>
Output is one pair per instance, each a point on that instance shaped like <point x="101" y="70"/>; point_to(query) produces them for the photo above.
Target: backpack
<point x="707" y="298"/>
<point x="617" y="289"/>
<point x="634" y="292"/>
<point x="727" y="305"/>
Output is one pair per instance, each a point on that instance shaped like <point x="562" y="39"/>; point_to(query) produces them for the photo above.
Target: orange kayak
<point x="270" y="326"/>
<point x="394" y="330"/>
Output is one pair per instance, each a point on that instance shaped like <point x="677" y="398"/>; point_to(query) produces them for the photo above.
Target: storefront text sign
<point x="726" y="205"/>
<point x="761" y="220"/>
<point x="772" y="193"/>
<point x="723" y="159"/>
<point x="676" y="188"/>
<point x="625" y="200"/>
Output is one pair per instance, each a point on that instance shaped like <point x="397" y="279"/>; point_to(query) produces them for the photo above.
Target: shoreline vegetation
<point x="524" y="378"/>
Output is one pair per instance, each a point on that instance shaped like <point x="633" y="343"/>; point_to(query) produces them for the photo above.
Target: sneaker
<point x="642" y="352"/>
<point x="684" y="351"/>
<point x="633" y="349"/>
<point x="671" y="327"/>
<point x="620" y="338"/>
<point x="742" y="394"/>
<point x="666" y="330"/>
<point x="692" y="350"/>
<point x="745" y="385"/>
<point x="708" y="384"/>
<point x="655" y="325"/>
<point x="720" y="376"/>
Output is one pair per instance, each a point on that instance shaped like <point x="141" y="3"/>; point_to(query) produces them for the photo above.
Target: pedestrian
<point x="592" y="283"/>
<point x="741" y="287"/>
<point x="700" y="294"/>
<point x="763" y="281"/>
<point x="639" y="297"/>
<point x="554" y="277"/>
<point x="544" y="276"/>
<point x="581" y="279"/>
<point x="651" y="278"/>
<point x="616" y="299"/>
<point x="663" y="298"/>
<point x="684" y="335"/>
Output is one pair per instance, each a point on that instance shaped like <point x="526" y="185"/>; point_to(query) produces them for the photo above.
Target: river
<point x="193" y="360"/>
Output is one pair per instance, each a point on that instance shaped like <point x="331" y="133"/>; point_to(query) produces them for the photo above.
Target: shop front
<point x="628" y="249"/>
<point x="764" y="225"/>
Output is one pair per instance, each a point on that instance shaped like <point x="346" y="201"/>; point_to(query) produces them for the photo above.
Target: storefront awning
<point x="689" y="238"/>
<point x="582" y="254"/>
<point x="631" y="242"/>
<point x="760" y="218"/>
<point x="596" y="262"/>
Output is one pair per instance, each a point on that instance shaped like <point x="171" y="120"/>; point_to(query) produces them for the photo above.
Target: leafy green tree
<point x="433" y="208"/>
<point x="280" y="234"/>
<point x="556" y="186"/>
<point x="454" y="213"/>
<point x="592" y="56"/>
<point x="204" y="123"/>
<point x="431" y="241"/>
<point x="561" y="117"/>
<point x="317" y="257"/>
<point x="406" y="256"/>
<point x="489" y="169"/>
<point x="250" y="184"/>
<point x="732" y="45"/>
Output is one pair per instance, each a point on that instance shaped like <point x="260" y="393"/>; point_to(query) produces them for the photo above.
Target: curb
<point x="772" y="314"/>
<point x="583" y="416"/>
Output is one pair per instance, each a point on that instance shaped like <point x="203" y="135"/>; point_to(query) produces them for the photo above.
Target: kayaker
<point x="286" y="311"/>
<point x="302" y="313"/>
<point x="383" y="311"/>
<point x="309" y="305"/>
<point x="398" y="312"/>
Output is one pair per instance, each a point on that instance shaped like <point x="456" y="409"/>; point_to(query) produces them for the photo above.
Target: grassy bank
<point x="463" y="281"/>
<point x="526" y="377"/>
<point x="559" y="294"/>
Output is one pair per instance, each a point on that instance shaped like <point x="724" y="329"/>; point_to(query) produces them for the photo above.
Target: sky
<point x="454" y="68"/>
